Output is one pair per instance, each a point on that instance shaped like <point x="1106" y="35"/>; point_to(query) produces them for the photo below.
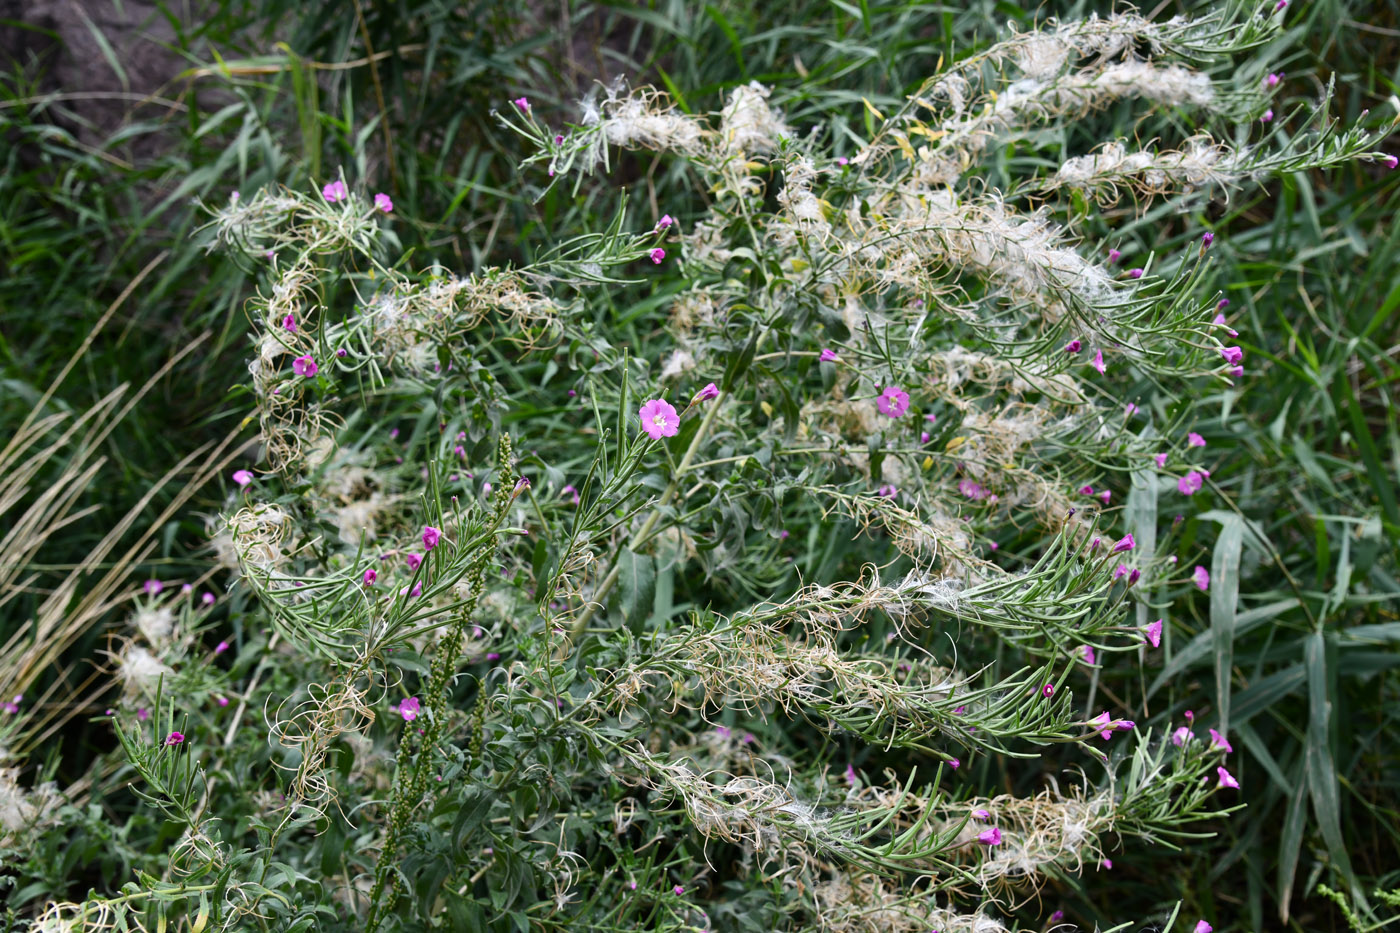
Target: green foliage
<point x="605" y="744"/>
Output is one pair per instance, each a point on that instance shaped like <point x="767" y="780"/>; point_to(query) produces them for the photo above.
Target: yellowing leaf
<point x="904" y="147"/>
<point x="767" y="409"/>
<point x="871" y="107"/>
<point x="928" y="463"/>
<point x="955" y="443"/>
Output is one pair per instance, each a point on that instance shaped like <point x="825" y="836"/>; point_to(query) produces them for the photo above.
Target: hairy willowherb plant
<point x="550" y="652"/>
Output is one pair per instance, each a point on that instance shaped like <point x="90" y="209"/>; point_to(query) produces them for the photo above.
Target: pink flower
<point x="842" y="160"/>
<point x="523" y="103"/>
<point x="990" y="837"/>
<point x="972" y="490"/>
<point x="1392" y="161"/>
<point x="1226" y="779"/>
<point x="1232" y="355"/>
<point x="207" y="599"/>
<point x="982" y="815"/>
<point x="665" y="221"/>
<point x="1134" y="273"/>
<point x="1190" y="483"/>
<point x="851" y="775"/>
<point x="174" y="738"/>
<point x="570" y="491"/>
<point x="1125" y="543"/>
<point x="408" y="708"/>
<point x="1272" y="80"/>
<point x="413" y="560"/>
<point x="659" y="419"/>
<point x="521" y="485"/>
<point x="304" y="366"/>
<point x="1203" y="927"/>
<point x="710" y="391"/>
<point x="1202" y="577"/>
<point x="828" y="356"/>
<point x="924" y="437"/>
<point x="289" y="323"/>
<point x="370" y="576"/>
<point x="1074" y="346"/>
<point x="1207" y="238"/>
<point x="1057" y="916"/>
<point x="1106" y="495"/>
<point x="1107" y="864"/>
<point x="1098" y="362"/>
<point x="334" y="191"/>
<point x="1268" y="116"/>
<point x="657" y="255"/>
<point x="1047" y="691"/>
<point x="1114" y="255"/>
<point x="1130" y="410"/>
<point x="1221" y="305"/>
<point x="416" y="591"/>
<point x="222" y="701"/>
<point x="887" y="492"/>
<point x="1161" y="459"/>
<point x="242" y="477"/>
<point x="384" y="203"/>
<point x="1103" y="724"/>
<point x="221" y="647"/>
<point x="1086" y="490"/>
<point x="1088" y="653"/>
<point x="1153" y="633"/>
<point x="1219" y="741"/>
<point x="153" y="587"/>
<point x="954" y="763"/>
<point x="893" y="402"/>
<point x="1182" y="735"/>
<point x="431" y="537"/>
<point x="679" y="890"/>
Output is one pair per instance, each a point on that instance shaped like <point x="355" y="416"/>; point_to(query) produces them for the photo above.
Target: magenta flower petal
<point x="1219" y="741"/>
<point x="828" y="356"/>
<point x="893" y="402"/>
<point x="304" y="366"/>
<point x="1153" y="634"/>
<point x="990" y="837"/>
<point x="384" y="203"/>
<point x="710" y="391"/>
<point x="1125" y="543"/>
<point x="1201" y="576"/>
<point x="431" y="537"/>
<point x="659" y="419"/>
<point x="409" y="708"/>
<point x="1099" y="363"/>
<point x="1203" y="927"/>
<point x="242" y="477"/>
<point x="174" y="738"/>
<point x="1226" y="779"/>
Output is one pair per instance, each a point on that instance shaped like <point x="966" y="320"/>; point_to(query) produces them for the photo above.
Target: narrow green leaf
<point x="636" y="585"/>
<point x="1224" y="595"/>
<point x="1322" y="773"/>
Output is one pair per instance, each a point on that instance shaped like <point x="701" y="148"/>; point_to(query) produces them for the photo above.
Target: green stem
<point x="600" y="597"/>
